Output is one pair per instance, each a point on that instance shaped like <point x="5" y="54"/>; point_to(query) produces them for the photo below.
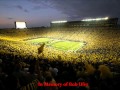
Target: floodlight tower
<point x="58" y="23"/>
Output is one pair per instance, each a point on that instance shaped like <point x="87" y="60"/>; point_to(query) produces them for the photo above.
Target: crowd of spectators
<point x="98" y="63"/>
<point x="19" y="73"/>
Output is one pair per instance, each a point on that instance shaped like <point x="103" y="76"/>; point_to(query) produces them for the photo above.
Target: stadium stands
<point x="98" y="63"/>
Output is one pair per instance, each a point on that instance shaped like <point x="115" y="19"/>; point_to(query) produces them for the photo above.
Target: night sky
<point x="39" y="13"/>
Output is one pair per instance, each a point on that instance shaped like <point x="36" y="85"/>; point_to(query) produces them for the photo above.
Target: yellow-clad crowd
<point x="102" y="43"/>
<point x="24" y="65"/>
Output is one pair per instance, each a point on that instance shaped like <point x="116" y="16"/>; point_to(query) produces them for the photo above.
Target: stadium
<point x="69" y="43"/>
<point x="63" y="40"/>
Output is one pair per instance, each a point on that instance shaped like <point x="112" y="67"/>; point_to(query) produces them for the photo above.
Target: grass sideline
<point x="58" y="44"/>
<point x="39" y="40"/>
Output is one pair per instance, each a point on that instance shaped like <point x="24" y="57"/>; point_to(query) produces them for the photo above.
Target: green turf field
<point x="58" y="44"/>
<point x="67" y="45"/>
<point x="39" y="40"/>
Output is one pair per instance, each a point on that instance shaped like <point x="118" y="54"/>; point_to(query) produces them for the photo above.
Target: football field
<point x="65" y="45"/>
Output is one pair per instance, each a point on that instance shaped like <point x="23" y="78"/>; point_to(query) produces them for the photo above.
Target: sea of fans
<point x="98" y="63"/>
<point x="20" y="73"/>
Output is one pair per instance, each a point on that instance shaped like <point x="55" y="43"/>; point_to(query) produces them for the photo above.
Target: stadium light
<point x="59" y="21"/>
<point x="20" y="25"/>
<point x="96" y="19"/>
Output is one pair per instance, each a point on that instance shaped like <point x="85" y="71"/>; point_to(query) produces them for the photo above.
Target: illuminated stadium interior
<point x="72" y="51"/>
<point x="61" y="41"/>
